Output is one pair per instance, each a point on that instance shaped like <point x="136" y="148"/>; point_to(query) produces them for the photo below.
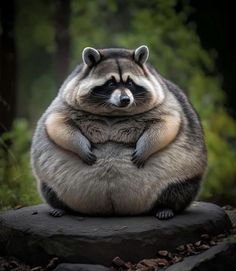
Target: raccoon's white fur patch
<point x="87" y="84"/>
<point x="115" y="97"/>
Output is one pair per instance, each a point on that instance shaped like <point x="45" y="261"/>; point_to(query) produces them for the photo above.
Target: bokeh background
<point x="191" y="43"/>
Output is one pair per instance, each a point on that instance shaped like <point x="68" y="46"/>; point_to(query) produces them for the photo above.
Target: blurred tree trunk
<point x="7" y="65"/>
<point x="62" y="39"/>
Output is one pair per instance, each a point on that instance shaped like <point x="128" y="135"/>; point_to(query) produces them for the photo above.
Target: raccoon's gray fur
<point x="119" y="139"/>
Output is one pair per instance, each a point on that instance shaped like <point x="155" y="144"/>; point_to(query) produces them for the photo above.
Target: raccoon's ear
<point x="90" y="56"/>
<point x="141" y="54"/>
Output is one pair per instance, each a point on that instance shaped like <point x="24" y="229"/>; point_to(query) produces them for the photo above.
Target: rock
<point x="33" y="236"/>
<point x="232" y="216"/>
<point x="80" y="267"/>
<point x="217" y="258"/>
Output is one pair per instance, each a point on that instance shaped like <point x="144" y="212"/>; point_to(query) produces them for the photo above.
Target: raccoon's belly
<point x="113" y="185"/>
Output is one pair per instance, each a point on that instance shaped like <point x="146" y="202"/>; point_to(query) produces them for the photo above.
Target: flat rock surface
<point x="32" y="235"/>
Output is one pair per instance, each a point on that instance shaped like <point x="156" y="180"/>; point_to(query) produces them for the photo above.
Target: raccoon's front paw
<point x="138" y="159"/>
<point x="89" y="158"/>
<point x="84" y="151"/>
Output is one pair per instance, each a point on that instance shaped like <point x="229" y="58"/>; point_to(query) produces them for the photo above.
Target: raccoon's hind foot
<point x="56" y="212"/>
<point x="177" y="197"/>
<point x="164" y="214"/>
<point x="57" y="207"/>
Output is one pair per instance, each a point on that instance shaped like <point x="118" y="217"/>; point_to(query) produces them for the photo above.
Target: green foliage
<point x="17" y="186"/>
<point x="35" y="36"/>
<point x="232" y="238"/>
<point x="220" y="131"/>
<point x="175" y="50"/>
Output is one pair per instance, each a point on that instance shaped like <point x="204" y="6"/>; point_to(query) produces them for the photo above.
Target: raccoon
<point x="119" y="139"/>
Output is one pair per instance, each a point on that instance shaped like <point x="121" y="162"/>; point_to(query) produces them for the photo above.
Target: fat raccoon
<point x="119" y="139"/>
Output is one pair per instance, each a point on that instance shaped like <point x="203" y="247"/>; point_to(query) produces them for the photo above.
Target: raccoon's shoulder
<point x="58" y="106"/>
<point x="178" y="93"/>
<point x="184" y="104"/>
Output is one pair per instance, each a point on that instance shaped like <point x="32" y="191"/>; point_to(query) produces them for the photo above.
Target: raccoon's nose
<point x="124" y="100"/>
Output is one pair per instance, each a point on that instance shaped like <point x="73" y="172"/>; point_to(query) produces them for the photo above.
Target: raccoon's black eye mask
<point x="107" y="88"/>
<point x="111" y="84"/>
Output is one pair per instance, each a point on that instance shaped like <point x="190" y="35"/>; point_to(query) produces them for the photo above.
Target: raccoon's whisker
<point x="104" y="104"/>
<point x="138" y="103"/>
<point x="140" y="99"/>
<point x="95" y="101"/>
<point x="134" y="103"/>
<point x="99" y="95"/>
<point x="140" y="95"/>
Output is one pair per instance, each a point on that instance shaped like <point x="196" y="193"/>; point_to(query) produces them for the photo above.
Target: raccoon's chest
<point x="120" y="130"/>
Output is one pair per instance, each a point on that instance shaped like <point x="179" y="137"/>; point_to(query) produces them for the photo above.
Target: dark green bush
<point x="17" y="185"/>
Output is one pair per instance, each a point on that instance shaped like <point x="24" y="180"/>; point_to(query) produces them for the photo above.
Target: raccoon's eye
<point x="130" y="83"/>
<point x="111" y="83"/>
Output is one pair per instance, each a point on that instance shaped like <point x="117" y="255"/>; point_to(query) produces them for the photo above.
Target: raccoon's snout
<point x="124" y="100"/>
<point x="121" y="98"/>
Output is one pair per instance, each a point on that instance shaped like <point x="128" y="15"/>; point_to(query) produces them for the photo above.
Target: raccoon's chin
<point x="120" y="107"/>
<point x="114" y="110"/>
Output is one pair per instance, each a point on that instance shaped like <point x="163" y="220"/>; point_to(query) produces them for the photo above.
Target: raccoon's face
<point x="114" y="82"/>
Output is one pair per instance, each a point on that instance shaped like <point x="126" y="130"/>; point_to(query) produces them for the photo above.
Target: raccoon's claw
<point x="56" y="212"/>
<point x="164" y="214"/>
<point x="90" y="158"/>
<point x="137" y="159"/>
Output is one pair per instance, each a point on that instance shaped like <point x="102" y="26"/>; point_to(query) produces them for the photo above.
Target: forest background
<point x="41" y="42"/>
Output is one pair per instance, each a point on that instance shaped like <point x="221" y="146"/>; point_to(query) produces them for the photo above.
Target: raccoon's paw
<point x="89" y="158"/>
<point x="164" y="214"/>
<point x="85" y="153"/>
<point x="56" y="212"/>
<point x="138" y="159"/>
